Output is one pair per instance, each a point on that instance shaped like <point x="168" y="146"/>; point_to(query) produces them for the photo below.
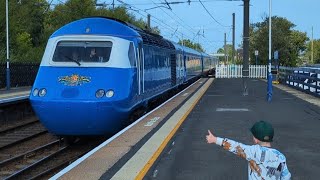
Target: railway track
<point x="13" y="136"/>
<point x="16" y="164"/>
<point x="28" y="151"/>
<point x="43" y="162"/>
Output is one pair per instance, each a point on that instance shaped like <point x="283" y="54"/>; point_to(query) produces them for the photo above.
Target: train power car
<point x="95" y="72"/>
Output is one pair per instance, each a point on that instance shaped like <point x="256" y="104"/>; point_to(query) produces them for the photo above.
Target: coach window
<point x="131" y="55"/>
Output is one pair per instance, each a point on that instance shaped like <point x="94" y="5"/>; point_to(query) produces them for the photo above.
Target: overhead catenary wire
<point x="154" y="19"/>
<point x="211" y="15"/>
<point x="204" y="40"/>
<point x="162" y="23"/>
<point x="177" y="2"/>
<point x="171" y="31"/>
<point x="190" y="30"/>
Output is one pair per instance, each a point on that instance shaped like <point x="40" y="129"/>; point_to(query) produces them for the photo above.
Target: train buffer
<point x="178" y="149"/>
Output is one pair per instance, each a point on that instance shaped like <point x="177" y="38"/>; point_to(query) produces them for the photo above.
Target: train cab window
<point x="83" y="51"/>
<point x="131" y="55"/>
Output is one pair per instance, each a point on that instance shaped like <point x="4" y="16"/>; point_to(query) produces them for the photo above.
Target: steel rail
<point x="3" y="131"/>
<point x="29" y="153"/>
<point x="57" y="167"/>
<point x="30" y="167"/>
<point x="17" y="141"/>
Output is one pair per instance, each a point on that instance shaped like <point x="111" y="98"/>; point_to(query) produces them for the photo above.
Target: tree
<point x="316" y="52"/>
<point x="229" y="54"/>
<point x="188" y="43"/>
<point x="31" y="22"/>
<point x="76" y="9"/>
<point x="69" y="11"/>
<point x="122" y="13"/>
<point x="288" y="42"/>
<point x="26" y="28"/>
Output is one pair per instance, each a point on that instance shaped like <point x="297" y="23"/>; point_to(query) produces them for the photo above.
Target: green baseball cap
<point x="263" y="131"/>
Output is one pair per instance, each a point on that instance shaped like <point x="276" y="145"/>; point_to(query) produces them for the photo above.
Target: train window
<point x="131" y="55"/>
<point x="83" y="51"/>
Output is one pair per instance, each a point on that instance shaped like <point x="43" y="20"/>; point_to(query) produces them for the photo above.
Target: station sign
<point x="276" y="55"/>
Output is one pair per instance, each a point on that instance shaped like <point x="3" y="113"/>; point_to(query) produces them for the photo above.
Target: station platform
<point x="14" y="94"/>
<point x="177" y="149"/>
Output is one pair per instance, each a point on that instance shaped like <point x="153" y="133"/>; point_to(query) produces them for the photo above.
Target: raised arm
<point x="237" y="148"/>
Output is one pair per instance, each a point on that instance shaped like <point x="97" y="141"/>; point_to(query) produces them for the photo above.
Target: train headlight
<point x="100" y="93"/>
<point x="42" y="92"/>
<point x="35" y="92"/>
<point x="109" y="93"/>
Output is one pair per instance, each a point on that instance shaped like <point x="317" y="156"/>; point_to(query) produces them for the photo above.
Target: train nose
<point x="85" y="118"/>
<point x="70" y="93"/>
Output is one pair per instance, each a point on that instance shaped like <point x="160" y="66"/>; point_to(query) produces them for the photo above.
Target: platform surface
<point x="135" y="143"/>
<point x="14" y="94"/>
<point x="227" y="113"/>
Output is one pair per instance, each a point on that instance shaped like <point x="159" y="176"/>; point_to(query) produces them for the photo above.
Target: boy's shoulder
<point x="273" y="157"/>
<point x="268" y="153"/>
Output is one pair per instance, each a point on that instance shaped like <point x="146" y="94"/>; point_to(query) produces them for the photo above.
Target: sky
<point x="195" y="23"/>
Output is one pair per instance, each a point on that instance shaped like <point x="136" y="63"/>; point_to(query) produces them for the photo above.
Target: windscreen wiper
<point x="73" y="60"/>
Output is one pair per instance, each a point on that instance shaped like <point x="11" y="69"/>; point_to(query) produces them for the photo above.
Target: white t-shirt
<point x="264" y="162"/>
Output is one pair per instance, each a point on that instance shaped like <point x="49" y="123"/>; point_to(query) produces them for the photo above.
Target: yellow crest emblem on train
<point x="74" y="80"/>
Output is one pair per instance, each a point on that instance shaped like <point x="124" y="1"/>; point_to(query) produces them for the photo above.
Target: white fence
<point x="235" y="71"/>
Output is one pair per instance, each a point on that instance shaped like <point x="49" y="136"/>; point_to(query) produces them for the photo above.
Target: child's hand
<point x="211" y="138"/>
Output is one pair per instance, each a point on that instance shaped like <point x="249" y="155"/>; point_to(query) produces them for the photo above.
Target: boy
<point x="264" y="161"/>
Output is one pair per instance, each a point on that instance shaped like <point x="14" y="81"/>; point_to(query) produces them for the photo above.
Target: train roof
<point x="153" y="39"/>
<point x="118" y="28"/>
<point x="148" y="37"/>
<point x="189" y="50"/>
<point x="185" y="49"/>
<point x="115" y="27"/>
<point x="96" y="25"/>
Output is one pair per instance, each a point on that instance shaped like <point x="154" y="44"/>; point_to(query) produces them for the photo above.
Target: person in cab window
<point x="93" y="55"/>
<point x="75" y="56"/>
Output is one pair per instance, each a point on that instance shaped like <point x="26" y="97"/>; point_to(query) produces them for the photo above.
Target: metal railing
<point x="22" y="74"/>
<point x="306" y="79"/>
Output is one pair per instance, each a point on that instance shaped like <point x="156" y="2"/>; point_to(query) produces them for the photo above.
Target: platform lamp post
<point x="7" y="31"/>
<point x="269" y="89"/>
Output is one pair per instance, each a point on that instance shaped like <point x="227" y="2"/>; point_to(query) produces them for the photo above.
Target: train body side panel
<point x="157" y="71"/>
<point x="193" y="66"/>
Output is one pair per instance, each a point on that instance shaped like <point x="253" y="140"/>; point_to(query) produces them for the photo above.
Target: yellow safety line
<point x="155" y="156"/>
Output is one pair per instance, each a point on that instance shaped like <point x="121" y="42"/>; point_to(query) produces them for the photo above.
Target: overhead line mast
<point x="245" y="70"/>
<point x="233" y="36"/>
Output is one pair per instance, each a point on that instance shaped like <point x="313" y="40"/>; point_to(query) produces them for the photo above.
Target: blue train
<point x="95" y="72"/>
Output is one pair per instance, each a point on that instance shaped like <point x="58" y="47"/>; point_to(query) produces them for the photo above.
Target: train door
<point x="202" y="64"/>
<point x="173" y="69"/>
<point x="140" y="67"/>
<point x="180" y="67"/>
<point x="184" y="67"/>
